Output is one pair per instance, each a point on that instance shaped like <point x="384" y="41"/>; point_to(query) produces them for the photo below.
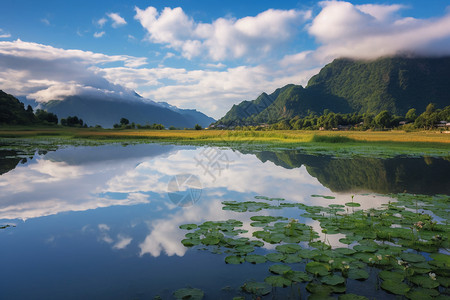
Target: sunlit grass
<point x="283" y="137"/>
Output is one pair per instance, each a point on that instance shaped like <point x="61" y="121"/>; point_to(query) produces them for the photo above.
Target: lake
<point x="103" y="222"/>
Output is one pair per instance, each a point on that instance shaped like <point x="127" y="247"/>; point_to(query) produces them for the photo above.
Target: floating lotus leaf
<point x="245" y="249"/>
<point x="365" y="257"/>
<point x="319" y="245"/>
<point x="336" y="206"/>
<point x="210" y="240"/>
<point x="279" y="269"/>
<point x="297" y="276"/>
<point x="444" y="281"/>
<point x="257" y="288"/>
<point x="333" y="280"/>
<point x="322" y="196"/>
<point x="322" y="258"/>
<point x="292" y="259"/>
<point x="288" y="248"/>
<point x="345" y="251"/>
<point x="358" y="274"/>
<point x="346" y="241"/>
<point x="306" y="253"/>
<point x="395" y="287"/>
<point x="317" y="268"/>
<point x="422" y="294"/>
<point x="412" y="257"/>
<point x="352" y="204"/>
<point x="189" y="293"/>
<point x="293" y="239"/>
<point x="424" y="281"/>
<point x="255" y="259"/>
<point x="364" y="248"/>
<point x="258" y="224"/>
<point x="188" y="226"/>
<point x="190" y="242"/>
<point x="393" y="276"/>
<point x="444" y="258"/>
<point x="275" y="257"/>
<point x="262" y="197"/>
<point x="278" y="281"/>
<point x="319" y="289"/>
<point x="352" y="297"/>
<point x="234" y="260"/>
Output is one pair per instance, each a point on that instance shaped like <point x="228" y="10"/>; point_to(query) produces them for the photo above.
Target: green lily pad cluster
<point x="400" y="243"/>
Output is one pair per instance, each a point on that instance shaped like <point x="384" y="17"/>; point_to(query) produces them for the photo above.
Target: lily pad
<point x="275" y="257"/>
<point x="424" y="281"/>
<point x="412" y="257"/>
<point x="255" y="259"/>
<point x="234" y="260"/>
<point x="395" y="287"/>
<point x="257" y="288"/>
<point x="189" y="293"/>
<point x="190" y="242"/>
<point x="393" y="276"/>
<point x="279" y="269"/>
<point x="358" y="274"/>
<point x="352" y="297"/>
<point x="333" y="280"/>
<point x="317" y="268"/>
<point x="352" y="204"/>
<point x="288" y="248"/>
<point x="188" y="226"/>
<point x="278" y="281"/>
<point x="297" y="276"/>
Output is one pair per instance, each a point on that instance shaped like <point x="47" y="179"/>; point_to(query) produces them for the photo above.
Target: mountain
<point x="192" y="115"/>
<point x="395" y="84"/>
<point x="106" y="111"/>
<point x="13" y="112"/>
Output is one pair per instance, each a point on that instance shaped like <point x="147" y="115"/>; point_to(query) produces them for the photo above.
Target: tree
<point x="383" y="119"/>
<point x="198" y="127"/>
<point x="45" y="117"/>
<point x="430" y="108"/>
<point x="411" y="115"/>
<point x="124" y="121"/>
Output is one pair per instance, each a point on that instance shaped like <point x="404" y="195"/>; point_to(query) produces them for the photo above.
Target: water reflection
<point x="426" y="175"/>
<point x="109" y="206"/>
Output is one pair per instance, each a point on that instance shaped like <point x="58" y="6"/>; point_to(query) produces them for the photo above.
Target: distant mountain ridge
<point x="105" y="111"/>
<point x="396" y="84"/>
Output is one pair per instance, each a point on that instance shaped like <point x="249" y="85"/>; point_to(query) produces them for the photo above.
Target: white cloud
<point x="4" y="35"/>
<point x="122" y="242"/>
<point x="49" y="73"/>
<point x="45" y="21"/>
<point x="370" y="31"/>
<point x="225" y="37"/>
<point x="99" y="34"/>
<point x="117" y="20"/>
<point x="102" y="22"/>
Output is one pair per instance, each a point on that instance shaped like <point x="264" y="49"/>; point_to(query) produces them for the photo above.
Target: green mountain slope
<point x="13" y="112"/>
<point x="395" y="84"/>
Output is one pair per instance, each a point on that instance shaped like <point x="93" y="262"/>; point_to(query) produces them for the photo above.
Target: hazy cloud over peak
<point x="370" y="31"/>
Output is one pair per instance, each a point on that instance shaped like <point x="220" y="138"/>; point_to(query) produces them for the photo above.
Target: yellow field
<point x="289" y="136"/>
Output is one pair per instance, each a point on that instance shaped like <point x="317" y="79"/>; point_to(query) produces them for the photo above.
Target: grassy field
<point x="283" y="137"/>
<point x="334" y="143"/>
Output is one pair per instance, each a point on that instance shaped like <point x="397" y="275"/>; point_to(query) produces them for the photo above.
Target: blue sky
<point x="207" y="55"/>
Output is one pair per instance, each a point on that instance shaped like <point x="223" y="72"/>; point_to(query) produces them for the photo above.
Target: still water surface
<point x="99" y="223"/>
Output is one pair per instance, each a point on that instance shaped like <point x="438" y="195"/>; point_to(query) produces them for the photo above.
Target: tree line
<point x="329" y="120"/>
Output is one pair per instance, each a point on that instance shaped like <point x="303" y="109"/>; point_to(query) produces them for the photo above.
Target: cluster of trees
<point x="330" y="120"/>
<point x="125" y="124"/>
<point x="73" y="122"/>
